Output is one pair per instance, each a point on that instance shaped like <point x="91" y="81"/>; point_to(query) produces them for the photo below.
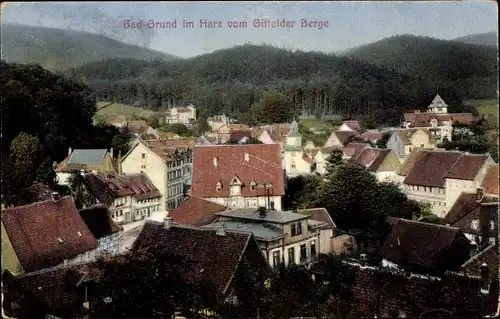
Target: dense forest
<point x="232" y="80"/>
<point x="472" y="69"/>
<point x="44" y="114"/>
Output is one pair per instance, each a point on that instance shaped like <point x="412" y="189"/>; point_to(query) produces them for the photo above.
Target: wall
<point x="325" y="241"/>
<point x="9" y="257"/>
<point x="454" y="187"/>
<point x="63" y="178"/>
<point x="395" y="144"/>
<point x="265" y="138"/>
<point x="343" y="243"/>
<point x="436" y="197"/>
<point x="320" y="160"/>
<point x="333" y="141"/>
<point x="296" y="246"/>
<point x="295" y="165"/>
<point x="110" y="243"/>
<point x="420" y="139"/>
<point x="252" y="201"/>
<point x="152" y="165"/>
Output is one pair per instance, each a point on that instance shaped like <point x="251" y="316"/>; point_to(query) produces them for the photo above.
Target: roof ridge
<point x="36" y="203"/>
<point x="476" y="256"/>
<point x="427" y="224"/>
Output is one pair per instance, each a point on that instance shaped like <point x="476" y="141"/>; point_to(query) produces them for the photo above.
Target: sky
<point x="349" y="23"/>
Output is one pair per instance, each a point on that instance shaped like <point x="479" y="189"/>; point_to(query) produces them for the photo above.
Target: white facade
<point x="435" y="196"/>
<point x="109" y="244"/>
<point x="63" y="178"/>
<point x="245" y="202"/>
<point x="295" y="161"/>
<point x="265" y="138"/>
<point x="181" y="115"/>
<point x="168" y="178"/>
<point x="216" y="122"/>
<point x="297" y="248"/>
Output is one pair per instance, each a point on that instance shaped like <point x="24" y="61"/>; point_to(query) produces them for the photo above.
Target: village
<point x="227" y="201"/>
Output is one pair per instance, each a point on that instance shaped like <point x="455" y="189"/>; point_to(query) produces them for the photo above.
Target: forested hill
<point x="58" y="49"/>
<point x="231" y="80"/>
<point x="471" y="68"/>
<point x="489" y="38"/>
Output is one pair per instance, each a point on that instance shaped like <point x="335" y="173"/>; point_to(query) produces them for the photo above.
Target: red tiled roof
<point x="422" y="244"/>
<point x="99" y="221"/>
<point x="215" y="257"/>
<point x="423" y="119"/>
<point x="372" y="136"/>
<point x="264" y="165"/>
<point x="431" y="167"/>
<point x="490" y="181"/>
<point x="354" y="149"/>
<point x="107" y="187"/>
<point x="196" y="211"/>
<point x="371" y="158"/>
<point x="34" y="231"/>
<point x="467" y="167"/>
<point x="307" y="159"/>
<point x="314" y="151"/>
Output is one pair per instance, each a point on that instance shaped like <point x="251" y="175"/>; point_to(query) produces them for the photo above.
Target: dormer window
<point x="218" y="186"/>
<point x="253" y="184"/>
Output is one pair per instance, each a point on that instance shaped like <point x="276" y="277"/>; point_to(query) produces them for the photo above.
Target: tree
<point x="274" y="107"/>
<point x="302" y="191"/>
<point x="178" y="128"/>
<point x="77" y="187"/>
<point x="382" y="143"/>
<point x="154" y="275"/>
<point x="202" y="126"/>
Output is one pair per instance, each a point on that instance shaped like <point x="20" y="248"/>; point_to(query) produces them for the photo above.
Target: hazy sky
<point x="349" y="23"/>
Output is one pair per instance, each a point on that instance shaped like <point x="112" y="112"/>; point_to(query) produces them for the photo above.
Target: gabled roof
<point x="490" y="181"/>
<point x="467" y="167"/>
<point x="406" y="134"/>
<point x="353" y="125"/>
<point x="467" y="208"/>
<point x="372" y="136"/>
<point x="319" y="214"/>
<point x="44" y="234"/>
<point x="464" y="204"/>
<point x="423" y="119"/>
<point x="261" y="232"/>
<point x="371" y="158"/>
<point x="239" y="135"/>
<point x="353" y="149"/>
<point x="87" y="157"/>
<point x="214" y="257"/>
<point x="107" y="187"/>
<point x="431" y="167"/>
<point x="196" y="211"/>
<point x="418" y="243"/>
<point x="98" y="221"/>
<point x="488" y="256"/>
<point x="344" y="136"/>
<point x="264" y="166"/>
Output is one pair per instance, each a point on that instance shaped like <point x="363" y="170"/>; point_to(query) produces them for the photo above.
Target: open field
<point x="315" y="124"/>
<point x="117" y="109"/>
<point x="487" y="107"/>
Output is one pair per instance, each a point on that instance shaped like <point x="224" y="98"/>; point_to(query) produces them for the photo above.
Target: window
<point x="303" y="253"/>
<point x="294" y="230"/>
<point x="299" y="228"/>
<point x="276" y="258"/>
<point x="143" y="166"/>
<point x="313" y="248"/>
<point x="291" y="255"/>
<point x="14" y="305"/>
<point x="218" y="186"/>
<point x="143" y="155"/>
<point x="293" y="166"/>
<point x="492" y="225"/>
<point x="475" y="224"/>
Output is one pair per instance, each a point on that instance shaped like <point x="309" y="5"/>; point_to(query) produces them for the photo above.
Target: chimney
<point x="167" y="222"/>
<point x="69" y="151"/>
<point x="55" y="196"/>
<point x="221" y="230"/>
<point x="262" y="212"/>
<point x="111" y="153"/>
<point x="479" y="194"/>
<point x="247" y="157"/>
<point x="485" y="279"/>
<point x="215" y="161"/>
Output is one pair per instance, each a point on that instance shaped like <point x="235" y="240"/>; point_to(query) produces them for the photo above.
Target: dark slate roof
<point x="99" y="222"/>
<point x="418" y="243"/>
<point x="489" y="256"/>
<point x="431" y="167"/>
<point x="466" y="209"/>
<point x="464" y="204"/>
<point x="87" y="157"/>
<point x="35" y="229"/>
<point x="215" y="257"/>
<point x="387" y="293"/>
<point x="319" y="214"/>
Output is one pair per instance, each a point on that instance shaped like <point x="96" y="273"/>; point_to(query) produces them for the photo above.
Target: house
<point x="379" y="292"/>
<point x="438" y="177"/>
<point x="224" y="132"/>
<point x="181" y="115"/>
<point x="56" y="293"/>
<point x="490" y="181"/>
<point x="217" y="121"/>
<point x="340" y="138"/>
<point x="202" y="248"/>
<point x="403" y="141"/>
<point x="296" y="162"/>
<point x="167" y="136"/>
<point x="263" y="135"/>
<point x="476" y="217"/>
<point x="350" y="126"/>
<point x="45" y="235"/>
<point x="488" y="258"/>
<point x="320" y="155"/>
<point x="284" y="237"/>
<point x="101" y="225"/>
<point x="309" y="145"/>
<point x="372" y="136"/>
<point x="239" y="137"/>
<point x="128" y="197"/>
<point x="437" y="119"/>
<point x="425" y="248"/>
<point x="138" y="127"/>
<point x="383" y="163"/>
<point x="87" y="160"/>
<point x="168" y="168"/>
<point x="202" y="140"/>
<point x="196" y="211"/>
<point x="353" y="150"/>
<point x="239" y="176"/>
